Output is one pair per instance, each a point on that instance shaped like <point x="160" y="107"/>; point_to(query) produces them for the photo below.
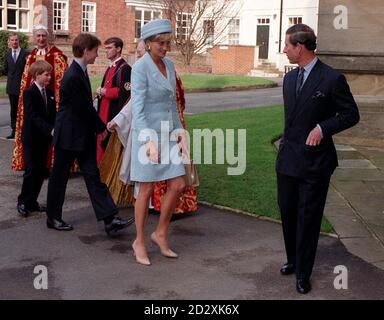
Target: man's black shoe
<point x="39" y="208"/>
<point x="22" y="209"/>
<point x="117" y="224"/>
<point x="287" y="269"/>
<point x="58" y="225"/>
<point x="303" y="286"/>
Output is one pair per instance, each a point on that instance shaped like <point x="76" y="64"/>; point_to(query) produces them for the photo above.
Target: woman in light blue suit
<point x="155" y="141"/>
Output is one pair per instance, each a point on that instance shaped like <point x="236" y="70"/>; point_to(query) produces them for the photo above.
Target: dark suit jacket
<point x="38" y="120"/>
<point x="77" y="121"/>
<point x="121" y="79"/>
<point x="325" y="99"/>
<point x="14" y="71"/>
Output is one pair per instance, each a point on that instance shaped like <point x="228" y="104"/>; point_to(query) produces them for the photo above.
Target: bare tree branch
<point x="205" y="22"/>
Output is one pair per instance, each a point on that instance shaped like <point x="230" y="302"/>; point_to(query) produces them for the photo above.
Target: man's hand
<point x="111" y="126"/>
<point x="314" y="137"/>
<point x="100" y="92"/>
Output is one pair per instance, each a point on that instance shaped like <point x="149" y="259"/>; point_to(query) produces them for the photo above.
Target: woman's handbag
<point x="191" y="176"/>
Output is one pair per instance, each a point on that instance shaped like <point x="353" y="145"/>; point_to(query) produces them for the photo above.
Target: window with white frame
<point x="60" y="15"/>
<point x="263" y="21"/>
<point x="233" y="31"/>
<point x="183" y="25"/>
<point x="14" y="15"/>
<point x="209" y="31"/>
<point x="143" y="16"/>
<point x="88" y="18"/>
<point x="1" y="14"/>
<point x="295" y="20"/>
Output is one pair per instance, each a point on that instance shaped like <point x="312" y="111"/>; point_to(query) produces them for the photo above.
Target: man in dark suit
<point x="36" y="136"/>
<point x="14" y="63"/>
<point x="77" y="124"/>
<point x="317" y="104"/>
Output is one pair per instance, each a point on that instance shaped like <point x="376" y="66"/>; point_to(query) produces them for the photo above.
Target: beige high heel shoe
<point x="140" y="260"/>
<point x="165" y="252"/>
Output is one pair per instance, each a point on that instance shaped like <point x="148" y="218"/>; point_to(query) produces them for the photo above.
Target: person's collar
<point x="81" y="63"/>
<point x="42" y="51"/>
<point x="17" y="49"/>
<point x="308" y="68"/>
<point x="38" y="86"/>
<point x="113" y="63"/>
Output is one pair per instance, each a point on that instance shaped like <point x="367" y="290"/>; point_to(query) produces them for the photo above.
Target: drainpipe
<point x="281" y="23"/>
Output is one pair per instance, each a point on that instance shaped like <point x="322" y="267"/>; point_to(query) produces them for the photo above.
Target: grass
<point x="221" y="82"/>
<point x="207" y="81"/>
<point x="255" y="190"/>
<point x="190" y="82"/>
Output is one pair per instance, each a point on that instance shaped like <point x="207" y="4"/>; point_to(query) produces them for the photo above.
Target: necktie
<point x="45" y="98"/>
<point x="299" y="81"/>
<point x="14" y="56"/>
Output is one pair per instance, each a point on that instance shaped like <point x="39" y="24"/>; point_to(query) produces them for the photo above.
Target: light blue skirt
<point x="170" y="166"/>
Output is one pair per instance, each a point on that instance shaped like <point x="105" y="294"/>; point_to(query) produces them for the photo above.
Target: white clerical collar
<point x="113" y="63"/>
<point x="41" y="52"/>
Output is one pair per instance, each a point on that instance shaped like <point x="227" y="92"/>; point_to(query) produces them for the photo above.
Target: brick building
<point x="234" y="59"/>
<point x="104" y="18"/>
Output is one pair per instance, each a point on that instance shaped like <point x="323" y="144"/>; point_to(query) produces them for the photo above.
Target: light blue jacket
<point x="153" y="95"/>
<point x="153" y="100"/>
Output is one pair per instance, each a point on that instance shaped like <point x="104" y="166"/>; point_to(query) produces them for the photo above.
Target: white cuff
<point x="321" y="131"/>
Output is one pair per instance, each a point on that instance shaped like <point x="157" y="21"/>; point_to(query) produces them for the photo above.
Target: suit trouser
<point x="301" y="203"/>
<point x="35" y="162"/>
<point x="14" y="101"/>
<point x="101" y="199"/>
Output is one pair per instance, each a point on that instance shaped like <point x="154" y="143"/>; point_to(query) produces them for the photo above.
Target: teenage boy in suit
<point x="76" y="127"/>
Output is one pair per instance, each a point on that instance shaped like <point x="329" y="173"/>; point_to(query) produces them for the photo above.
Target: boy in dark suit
<point x="14" y="63"/>
<point x="77" y="124"/>
<point x="39" y="110"/>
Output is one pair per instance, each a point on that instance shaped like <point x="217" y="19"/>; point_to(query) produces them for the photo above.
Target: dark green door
<point x="263" y="41"/>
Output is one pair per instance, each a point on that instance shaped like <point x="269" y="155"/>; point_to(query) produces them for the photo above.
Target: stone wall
<point x="350" y="39"/>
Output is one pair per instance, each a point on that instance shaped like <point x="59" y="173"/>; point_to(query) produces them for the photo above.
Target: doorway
<point x="262" y="41"/>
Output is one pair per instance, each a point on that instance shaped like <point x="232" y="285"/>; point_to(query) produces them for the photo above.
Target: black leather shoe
<point x="39" y="208"/>
<point x="303" y="286"/>
<point x="118" y="224"/>
<point x="58" y="225"/>
<point x="22" y="209"/>
<point x="287" y="269"/>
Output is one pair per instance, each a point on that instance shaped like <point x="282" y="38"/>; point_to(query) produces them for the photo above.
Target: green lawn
<point x="207" y="81"/>
<point x="255" y="190"/>
<point x="221" y="82"/>
<point x="192" y="82"/>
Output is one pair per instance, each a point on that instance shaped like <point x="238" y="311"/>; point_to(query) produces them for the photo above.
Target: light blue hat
<point x="155" y="27"/>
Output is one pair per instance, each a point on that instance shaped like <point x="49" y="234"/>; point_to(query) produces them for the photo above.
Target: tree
<point x="199" y="24"/>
